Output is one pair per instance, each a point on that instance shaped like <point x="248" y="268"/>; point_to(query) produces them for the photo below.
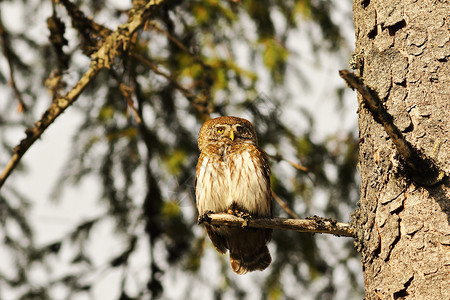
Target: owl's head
<point x="229" y="129"/>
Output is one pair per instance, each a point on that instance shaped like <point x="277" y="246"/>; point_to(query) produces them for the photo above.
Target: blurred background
<point x="102" y="206"/>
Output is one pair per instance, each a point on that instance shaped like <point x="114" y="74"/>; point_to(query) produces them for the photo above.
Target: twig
<point x="111" y="48"/>
<point x="7" y="53"/>
<point x="284" y="206"/>
<point x="299" y="167"/>
<point x="127" y="92"/>
<point x="425" y="171"/>
<point x="313" y="224"/>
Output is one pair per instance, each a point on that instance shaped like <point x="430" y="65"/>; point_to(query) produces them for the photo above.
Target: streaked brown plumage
<point x="233" y="173"/>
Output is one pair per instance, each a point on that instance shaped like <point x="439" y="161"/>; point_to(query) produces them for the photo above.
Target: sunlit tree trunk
<point x="403" y="232"/>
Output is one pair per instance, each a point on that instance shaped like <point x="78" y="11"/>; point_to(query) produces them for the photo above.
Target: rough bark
<point x="402" y="229"/>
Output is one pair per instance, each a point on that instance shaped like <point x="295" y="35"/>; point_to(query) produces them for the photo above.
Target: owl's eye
<point x="239" y="129"/>
<point x="220" y="130"/>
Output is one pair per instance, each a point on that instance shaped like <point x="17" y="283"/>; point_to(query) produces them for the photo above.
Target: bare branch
<point x="425" y="171"/>
<point x="116" y="42"/>
<point x="297" y="166"/>
<point x="312" y="224"/>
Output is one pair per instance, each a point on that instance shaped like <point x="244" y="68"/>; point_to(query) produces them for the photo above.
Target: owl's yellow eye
<point x="220" y="130"/>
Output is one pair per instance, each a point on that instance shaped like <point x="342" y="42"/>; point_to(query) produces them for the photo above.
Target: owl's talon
<point x="204" y="217"/>
<point x="243" y="215"/>
<point x="246" y="216"/>
<point x="235" y="212"/>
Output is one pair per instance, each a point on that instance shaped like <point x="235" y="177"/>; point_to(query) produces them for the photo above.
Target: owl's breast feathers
<point x="233" y="176"/>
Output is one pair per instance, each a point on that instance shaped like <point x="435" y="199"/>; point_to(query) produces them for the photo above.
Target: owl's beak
<point x="232" y="134"/>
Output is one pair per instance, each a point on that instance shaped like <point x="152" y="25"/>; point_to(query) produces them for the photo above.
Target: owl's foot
<point x="244" y="215"/>
<point x="204" y="217"/>
<point x="238" y="213"/>
<point x="232" y="212"/>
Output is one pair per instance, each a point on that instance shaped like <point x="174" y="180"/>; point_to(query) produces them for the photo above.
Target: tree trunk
<point x="402" y="228"/>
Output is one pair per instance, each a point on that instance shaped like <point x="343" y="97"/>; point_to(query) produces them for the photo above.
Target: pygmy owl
<point x="233" y="174"/>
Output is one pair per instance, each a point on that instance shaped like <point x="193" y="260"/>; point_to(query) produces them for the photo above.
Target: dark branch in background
<point x="113" y="45"/>
<point x="197" y="101"/>
<point x="55" y="82"/>
<point x="424" y="170"/>
<point x="179" y="44"/>
<point x="313" y="224"/>
<point x="8" y="56"/>
<point x="57" y="30"/>
<point x="92" y="34"/>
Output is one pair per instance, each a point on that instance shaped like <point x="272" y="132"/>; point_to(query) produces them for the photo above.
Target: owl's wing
<point x="264" y="162"/>
<point x="218" y="240"/>
<point x="265" y="166"/>
<point x="266" y="171"/>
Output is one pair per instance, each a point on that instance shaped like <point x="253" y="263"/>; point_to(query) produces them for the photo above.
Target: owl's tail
<point x="241" y="262"/>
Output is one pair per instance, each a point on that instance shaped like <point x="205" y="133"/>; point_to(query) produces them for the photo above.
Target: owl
<point x="233" y="175"/>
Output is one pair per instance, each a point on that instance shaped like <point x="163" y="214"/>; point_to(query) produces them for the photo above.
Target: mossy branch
<point x="313" y="224"/>
<point x="115" y="44"/>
